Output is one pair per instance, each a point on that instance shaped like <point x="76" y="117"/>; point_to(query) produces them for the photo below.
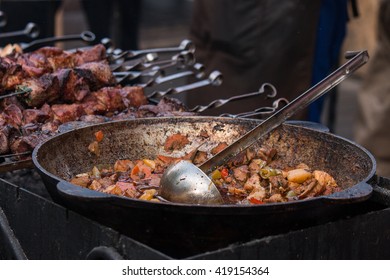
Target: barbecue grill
<point x="34" y="227"/>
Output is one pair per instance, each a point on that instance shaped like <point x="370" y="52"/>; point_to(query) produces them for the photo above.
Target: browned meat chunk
<point x="200" y="157"/>
<point x="241" y="173"/>
<point x="67" y="112"/>
<point x="278" y="181"/>
<point x="45" y="89"/>
<point x="50" y="126"/>
<point x="176" y="142"/>
<point x="266" y="154"/>
<point x="13" y="115"/>
<point x="11" y="75"/>
<point x="72" y="87"/>
<point x="27" y="143"/>
<point x="134" y="96"/>
<point x="101" y="73"/>
<point x="95" y="53"/>
<point x="34" y="116"/>
<point x="165" y="107"/>
<point x="111" y="99"/>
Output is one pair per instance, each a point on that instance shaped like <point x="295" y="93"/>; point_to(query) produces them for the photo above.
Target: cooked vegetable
<point x="298" y="175"/>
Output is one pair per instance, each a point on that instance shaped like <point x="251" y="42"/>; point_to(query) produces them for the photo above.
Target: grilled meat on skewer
<point x="111" y="99"/>
<point x="21" y="129"/>
<point x="51" y="59"/>
<point x="44" y="89"/>
<point x="65" y="87"/>
<point x="68" y="85"/>
<point x="28" y="143"/>
<point x="13" y="115"/>
<point x="15" y="69"/>
<point x="11" y="75"/>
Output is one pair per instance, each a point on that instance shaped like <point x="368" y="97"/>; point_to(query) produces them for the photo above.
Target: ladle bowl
<point x="183" y="182"/>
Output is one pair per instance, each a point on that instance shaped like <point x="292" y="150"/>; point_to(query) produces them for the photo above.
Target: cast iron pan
<point x="183" y="230"/>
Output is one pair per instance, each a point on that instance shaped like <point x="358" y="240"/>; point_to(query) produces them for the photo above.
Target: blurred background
<point x="167" y="23"/>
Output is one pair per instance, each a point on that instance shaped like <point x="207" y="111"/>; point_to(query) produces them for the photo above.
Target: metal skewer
<point x="220" y="102"/>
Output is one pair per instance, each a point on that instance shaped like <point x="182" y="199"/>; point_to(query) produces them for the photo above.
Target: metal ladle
<point x="183" y="182"/>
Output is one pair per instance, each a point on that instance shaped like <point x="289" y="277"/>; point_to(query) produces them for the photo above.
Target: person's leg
<point x="130" y="15"/>
<point x="330" y="36"/>
<point x="98" y="14"/>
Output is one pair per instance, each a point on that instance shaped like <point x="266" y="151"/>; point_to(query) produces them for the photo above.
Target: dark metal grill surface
<point x="46" y="230"/>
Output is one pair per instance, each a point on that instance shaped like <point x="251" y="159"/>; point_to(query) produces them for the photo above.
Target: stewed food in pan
<point x="256" y="176"/>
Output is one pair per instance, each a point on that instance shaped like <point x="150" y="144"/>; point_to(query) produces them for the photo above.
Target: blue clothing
<point x="331" y="31"/>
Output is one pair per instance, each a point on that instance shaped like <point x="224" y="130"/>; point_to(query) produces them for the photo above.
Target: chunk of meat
<point x="123" y="165"/>
<point x="27" y="143"/>
<point x="34" y="116"/>
<point x="13" y="115"/>
<point x="253" y="182"/>
<point x="278" y="181"/>
<point x="72" y="87"/>
<point x="200" y="157"/>
<point x="256" y="165"/>
<point x="45" y="89"/>
<point x="66" y="112"/>
<point x="101" y="73"/>
<point x="95" y="53"/>
<point x="266" y="154"/>
<point x="176" y="142"/>
<point x="257" y="195"/>
<point x="81" y="180"/>
<point x="277" y="197"/>
<point x="327" y="181"/>
<point x="111" y="99"/>
<point x="11" y="75"/>
<point x="241" y="173"/>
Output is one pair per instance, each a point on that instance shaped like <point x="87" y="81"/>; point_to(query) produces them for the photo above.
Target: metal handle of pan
<point x="358" y="59"/>
<point x="31" y="31"/>
<point x="215" y="79"/>
<point x="361" y="191"/>
<point x="86" y="36"/>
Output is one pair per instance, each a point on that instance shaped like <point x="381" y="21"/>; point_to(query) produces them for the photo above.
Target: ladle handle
<point x="356" y="60"/>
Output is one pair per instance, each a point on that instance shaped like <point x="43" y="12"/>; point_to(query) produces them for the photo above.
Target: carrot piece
<point x="255" y="201"/>
<point x="99" y="135"/>
<point x="134" y="173"/>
